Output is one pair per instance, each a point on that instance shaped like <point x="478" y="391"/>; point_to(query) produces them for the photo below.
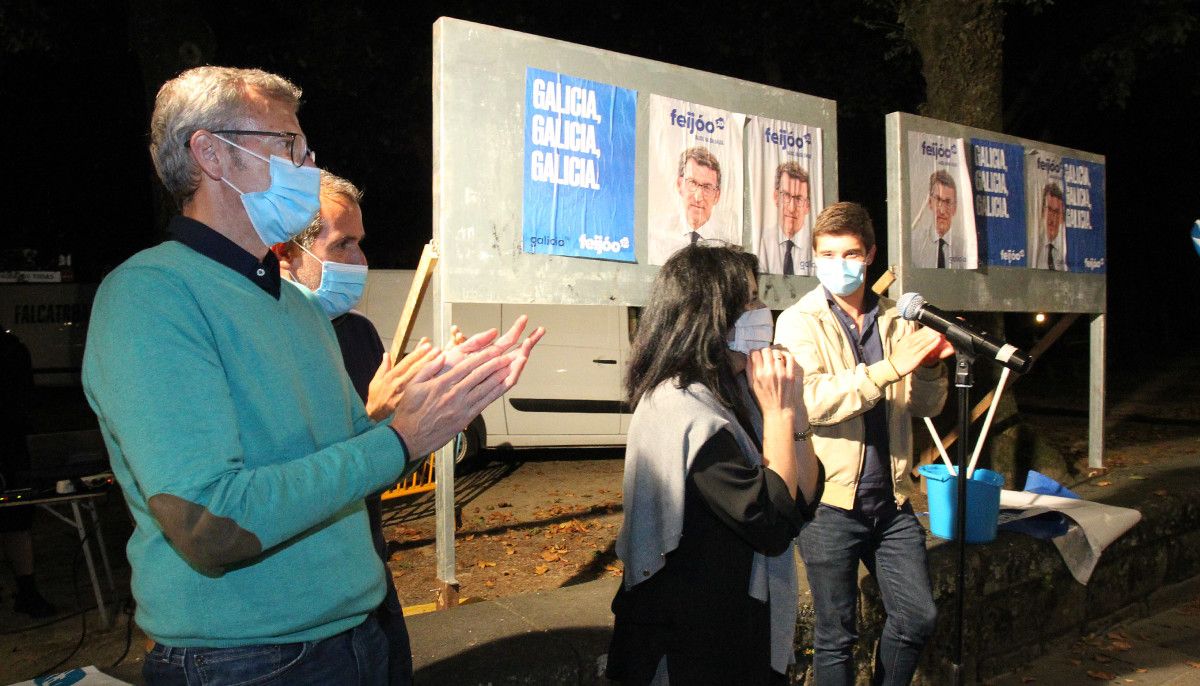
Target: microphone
<point x="965" y="337"/>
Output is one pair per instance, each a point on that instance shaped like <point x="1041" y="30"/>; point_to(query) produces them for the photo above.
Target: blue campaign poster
<point x="1083" y="185"/>
<point x="998" y="175"/>
<point x="579" y="155"/>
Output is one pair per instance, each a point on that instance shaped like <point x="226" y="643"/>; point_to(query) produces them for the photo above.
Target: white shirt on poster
<point x="924" y="248"/>
<point x="773" y="249"/>
<point x="672" y="233"/>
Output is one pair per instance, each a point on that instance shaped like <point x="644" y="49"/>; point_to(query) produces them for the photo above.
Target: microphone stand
<point x="964" y="379"/>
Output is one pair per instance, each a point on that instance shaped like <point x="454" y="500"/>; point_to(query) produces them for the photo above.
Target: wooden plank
<point x="404" y="327"/>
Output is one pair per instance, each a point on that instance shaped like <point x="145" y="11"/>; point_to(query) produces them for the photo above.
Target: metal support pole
<point x="91" y="506"/>
<point x="1096" y="394"/>
<point x="91" y="564"/>
<point x="963" y="381"/>
<point x="444" y="472"/>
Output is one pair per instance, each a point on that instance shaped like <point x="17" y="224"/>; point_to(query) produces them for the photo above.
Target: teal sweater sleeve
<point x="160" y="374"/>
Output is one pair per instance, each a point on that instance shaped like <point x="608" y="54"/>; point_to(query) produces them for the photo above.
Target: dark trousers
<point x="400" y="665"/>
<point x="892" y="546"/>
<point x="358" y="656"/>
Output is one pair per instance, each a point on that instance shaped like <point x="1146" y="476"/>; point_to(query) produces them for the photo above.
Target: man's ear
<point x="284" y="254"/>
<point x="203" y="147"/>
<point x="870" y="256"/>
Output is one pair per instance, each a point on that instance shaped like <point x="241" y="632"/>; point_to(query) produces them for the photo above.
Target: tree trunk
<point x="961" y="47"/>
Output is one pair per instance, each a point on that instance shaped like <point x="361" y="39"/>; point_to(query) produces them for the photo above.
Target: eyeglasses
<point x="298" y="150"/>
<point x="794" y="200"/>
<point x="708" y="190"/>
<point x="943" y="203"/>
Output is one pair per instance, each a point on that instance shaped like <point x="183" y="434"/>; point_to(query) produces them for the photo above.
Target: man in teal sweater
<point x="243" y="450"/>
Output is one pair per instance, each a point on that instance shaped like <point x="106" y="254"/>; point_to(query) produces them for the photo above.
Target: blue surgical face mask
<point x="342" y="285"/>
<point x="841" y="277"/>
<point x="282" y="211"/>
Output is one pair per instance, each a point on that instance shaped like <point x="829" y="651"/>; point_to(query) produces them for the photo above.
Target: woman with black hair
<point x="719" y="476"/>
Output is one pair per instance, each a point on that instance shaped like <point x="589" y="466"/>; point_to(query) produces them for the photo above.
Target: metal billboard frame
<point x="993" y="288"/>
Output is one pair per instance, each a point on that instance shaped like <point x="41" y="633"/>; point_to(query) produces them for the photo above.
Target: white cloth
<point x="772" y="250"/>
<point x="1095" y="526"/>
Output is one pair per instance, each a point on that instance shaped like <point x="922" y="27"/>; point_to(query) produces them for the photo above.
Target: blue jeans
<point x="358" y="656"/>
<point x="892" y="546"/>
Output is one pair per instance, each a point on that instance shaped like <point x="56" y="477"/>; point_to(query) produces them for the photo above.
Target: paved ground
<point x="528" y="502"/>
<point x="1159" y="650"/>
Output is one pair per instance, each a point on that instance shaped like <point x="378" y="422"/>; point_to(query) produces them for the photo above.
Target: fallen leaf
<point x="472" y="536"/>
<point x="1101" y="676"/>
<point x="1028" y="679"/>
<point x="489" y="583"/>
<point x="549" y="555"/>
<point x="1121" y="645"/>
<point x="1137" y="477"/>
<point x="540" y="569"/>
<point x="1076" y="662"/>
<point x="1141" y="670"/>
<point x="510" y="551"/>
<point x="1193" y="664"/>
<point x="1101" y="658"/>
<point x="504" y="504"/>
<point x="485" y="563"/>
<point x="1102" y="484"/>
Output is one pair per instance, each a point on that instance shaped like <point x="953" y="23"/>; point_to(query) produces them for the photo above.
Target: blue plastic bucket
<point x="983" y="502"/>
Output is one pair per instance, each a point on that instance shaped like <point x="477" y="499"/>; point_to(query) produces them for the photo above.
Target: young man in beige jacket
<point x="867" y="372"/>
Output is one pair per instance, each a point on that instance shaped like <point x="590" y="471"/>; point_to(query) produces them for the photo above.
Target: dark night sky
<point x="76" y="104"/>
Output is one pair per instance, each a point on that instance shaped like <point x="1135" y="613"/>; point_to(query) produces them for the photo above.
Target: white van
<point x="571" y="391"/>
<point x="51" y="320"/>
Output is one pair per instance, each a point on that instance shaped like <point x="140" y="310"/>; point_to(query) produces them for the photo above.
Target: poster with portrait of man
<point x="1045" y="210"/>
<point x="695" y="176"/>
<point x="784" y="167"/>
<point x="942" y="231"/>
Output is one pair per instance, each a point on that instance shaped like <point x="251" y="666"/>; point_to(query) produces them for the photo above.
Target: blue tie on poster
<point x="579" y="157"/>
<point x="1083" y="186"/>
<point x="998" y="173"/>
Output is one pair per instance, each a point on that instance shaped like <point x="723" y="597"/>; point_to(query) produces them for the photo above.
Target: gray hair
<point x="701" y="156"/>
<point x="941" y="178"/>
<point x="333" y="186"/>
<point x="204" y="98"/>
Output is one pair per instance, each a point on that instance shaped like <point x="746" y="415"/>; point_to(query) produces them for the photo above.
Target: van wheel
<point x="466" y="447"/>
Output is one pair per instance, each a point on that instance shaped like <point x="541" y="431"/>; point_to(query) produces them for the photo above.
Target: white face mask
<point x="754" y="330"/>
